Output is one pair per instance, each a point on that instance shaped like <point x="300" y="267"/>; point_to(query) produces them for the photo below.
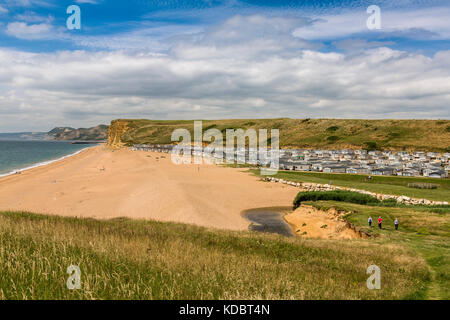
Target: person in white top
<point x="370" y="221"/>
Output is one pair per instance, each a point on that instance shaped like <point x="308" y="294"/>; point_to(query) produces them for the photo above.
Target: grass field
<point x="425" y="232"/>
<point x="379" y="184"/>
<point x="133" y="259"/>
<point x="302" y="133"/>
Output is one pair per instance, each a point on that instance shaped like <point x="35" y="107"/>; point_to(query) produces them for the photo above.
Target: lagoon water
<point x="16" y="155"/>
<point x="269" y="220"/>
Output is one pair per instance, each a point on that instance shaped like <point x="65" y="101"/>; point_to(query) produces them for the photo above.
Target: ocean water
<point x="19" y="155"/>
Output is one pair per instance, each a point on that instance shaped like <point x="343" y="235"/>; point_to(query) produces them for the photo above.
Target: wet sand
<point x="101" y="183"/>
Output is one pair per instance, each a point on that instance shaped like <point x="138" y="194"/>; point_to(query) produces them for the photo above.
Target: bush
<point x="332" y="129"/>
<point x="336" y="195"/>
<point x="333" y="138"/>
<point x="371" y="146"/>
<point x="423" y="185"/>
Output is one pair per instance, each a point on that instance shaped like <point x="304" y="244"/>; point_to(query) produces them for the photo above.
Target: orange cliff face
<point x="115" y="132"/>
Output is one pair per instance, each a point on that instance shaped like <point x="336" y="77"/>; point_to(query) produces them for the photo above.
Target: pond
<point x="269" y="220"/>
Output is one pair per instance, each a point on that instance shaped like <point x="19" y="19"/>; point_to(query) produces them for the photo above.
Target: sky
<point x="211" y="59"/>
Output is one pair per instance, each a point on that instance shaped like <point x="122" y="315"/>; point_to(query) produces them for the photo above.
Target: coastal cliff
<point x="96" y="133"/>
<point x="115" y="132"/>
<point x="408" y="135"/>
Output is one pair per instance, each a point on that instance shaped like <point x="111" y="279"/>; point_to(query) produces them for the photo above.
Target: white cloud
<point x="221" y="73"/>
<point x="27" y="3"/>
<point x="22" y="30"/>
<point x="427" y="22"/>
<point x="3" y="10"/>
<point x="32" y="17"/>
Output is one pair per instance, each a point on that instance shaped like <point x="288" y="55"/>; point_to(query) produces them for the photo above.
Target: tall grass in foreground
<point x="131" y="259"/>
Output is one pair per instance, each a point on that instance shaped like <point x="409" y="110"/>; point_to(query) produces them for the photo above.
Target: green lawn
<point x="379" y="184"/>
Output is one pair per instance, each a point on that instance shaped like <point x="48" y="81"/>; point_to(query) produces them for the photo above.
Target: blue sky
<point x="106" y="18"/>
<point x="177" y="59"/>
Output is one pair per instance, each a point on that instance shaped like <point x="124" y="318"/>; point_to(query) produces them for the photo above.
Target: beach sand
<point x="102" y="183"/>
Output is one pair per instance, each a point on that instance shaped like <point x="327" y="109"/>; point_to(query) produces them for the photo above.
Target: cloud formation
<point x="246" y="67"/>
<point x="242" y="68"/>
<point x="428" y="23"/>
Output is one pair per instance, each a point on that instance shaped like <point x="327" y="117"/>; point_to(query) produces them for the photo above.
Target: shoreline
<point x="42" y="163"/>
<point x="101" y="183"/>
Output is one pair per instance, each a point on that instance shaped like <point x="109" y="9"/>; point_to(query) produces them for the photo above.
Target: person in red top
<point x="379" y="222"/>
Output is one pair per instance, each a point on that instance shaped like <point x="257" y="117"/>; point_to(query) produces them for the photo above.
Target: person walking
<point x="396" y="223"/>
<point x="370" y="221"/>
<point x="379" y="222"/>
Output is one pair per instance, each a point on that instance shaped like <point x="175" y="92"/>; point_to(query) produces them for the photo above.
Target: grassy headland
<point x="135" y="259"/>
<point x="302" y="133"/>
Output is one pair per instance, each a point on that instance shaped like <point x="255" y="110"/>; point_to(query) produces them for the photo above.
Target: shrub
<point x="371" y="146"/>
<point x="333" y="138"/>
<point x="423" y="185"/>
<point x="336" y="195"/>
<point x="332" y="129"/>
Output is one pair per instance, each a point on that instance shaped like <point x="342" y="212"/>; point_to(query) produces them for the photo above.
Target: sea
<point x="20" y="155"/>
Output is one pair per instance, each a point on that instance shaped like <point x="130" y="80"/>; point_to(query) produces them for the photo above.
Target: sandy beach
<point x="101" y="183"/>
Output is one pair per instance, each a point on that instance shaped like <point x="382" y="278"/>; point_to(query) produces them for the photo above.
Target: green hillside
<point x="426" y="135"/>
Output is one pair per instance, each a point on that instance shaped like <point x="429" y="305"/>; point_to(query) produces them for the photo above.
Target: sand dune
<point x="100" y="183"/>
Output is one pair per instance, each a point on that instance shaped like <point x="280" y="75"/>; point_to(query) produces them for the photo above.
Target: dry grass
<point x="131" y="259"/>
<point x="303" y="133"/>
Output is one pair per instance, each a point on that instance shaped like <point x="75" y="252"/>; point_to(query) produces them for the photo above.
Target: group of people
<point x="380" y="221"/>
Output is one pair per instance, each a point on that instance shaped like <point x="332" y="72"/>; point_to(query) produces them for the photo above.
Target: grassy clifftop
<point x="427" y="135"/>
<point x="134" y="259"/>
